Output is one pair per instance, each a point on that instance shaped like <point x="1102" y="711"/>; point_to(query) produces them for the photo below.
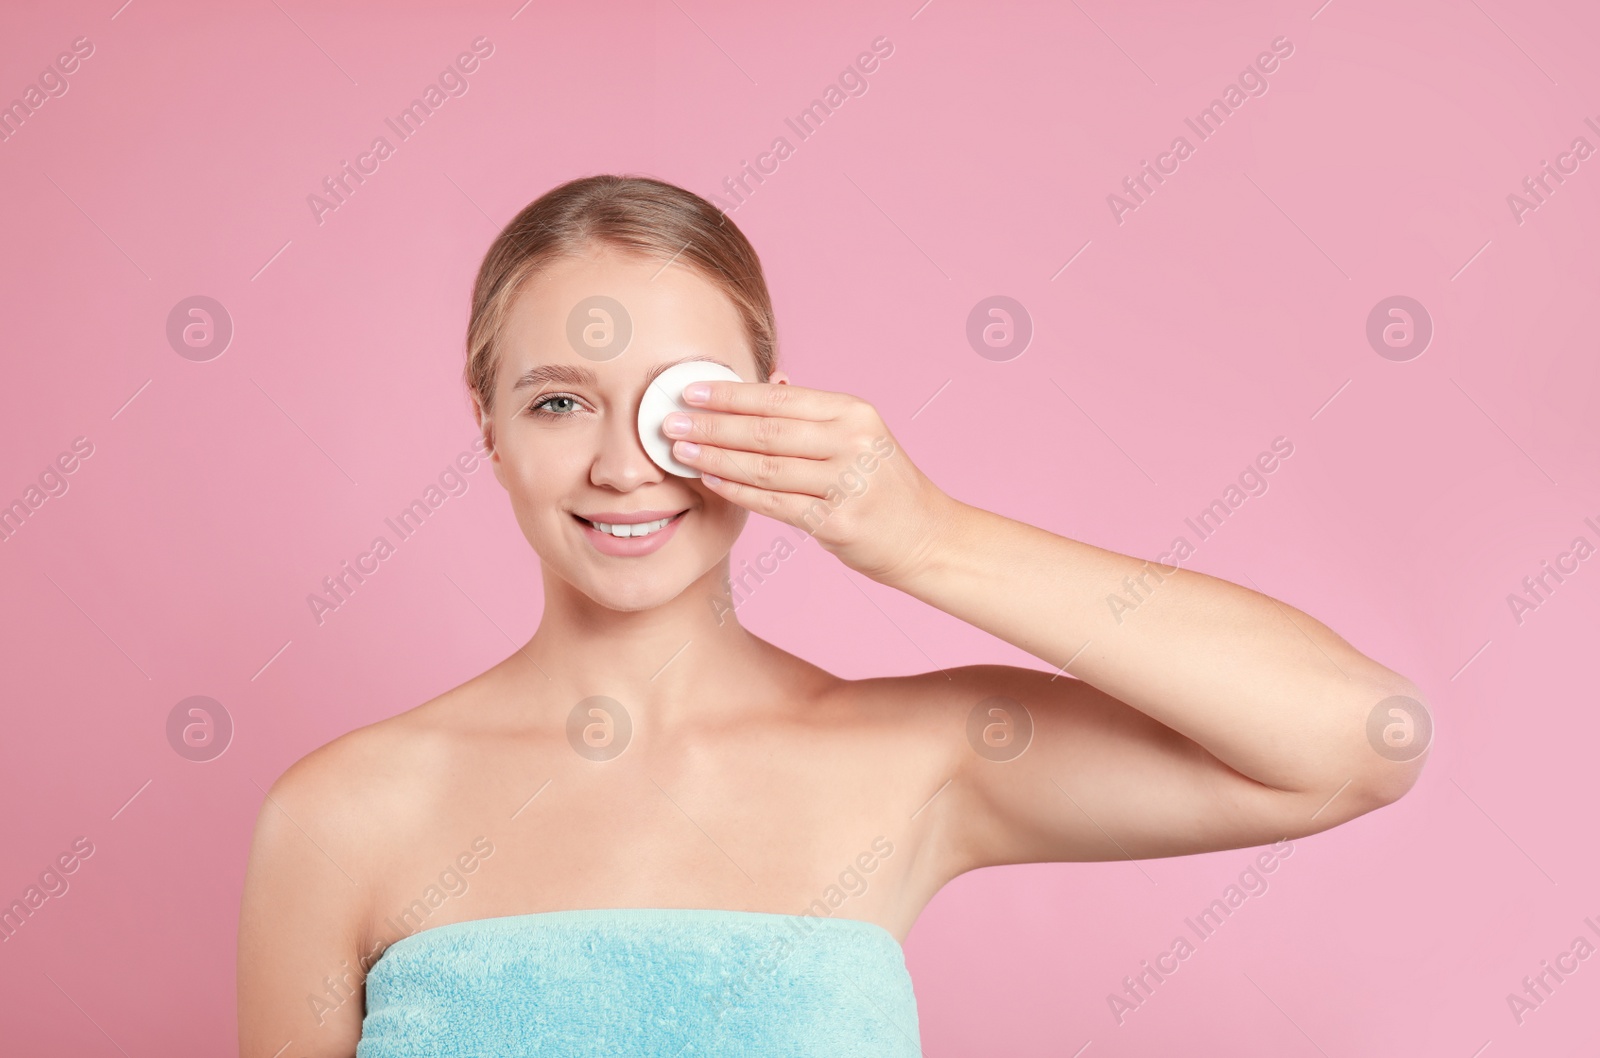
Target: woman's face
<point x="564" y="431"/>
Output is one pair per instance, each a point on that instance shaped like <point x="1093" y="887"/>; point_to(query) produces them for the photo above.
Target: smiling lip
<point x="630" y="546"/>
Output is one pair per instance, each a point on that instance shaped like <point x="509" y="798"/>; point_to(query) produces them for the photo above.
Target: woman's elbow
<point x="1399" y="732"/>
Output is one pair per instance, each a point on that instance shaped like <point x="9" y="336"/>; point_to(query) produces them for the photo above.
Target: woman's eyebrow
<point x="545" y="374"/>
<point x="570" y="375"/>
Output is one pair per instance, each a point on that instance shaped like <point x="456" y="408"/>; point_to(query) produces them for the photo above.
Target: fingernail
<point x="686" y="450"/>
<point x="677" y="424"/>
<point x="695" y="392"/>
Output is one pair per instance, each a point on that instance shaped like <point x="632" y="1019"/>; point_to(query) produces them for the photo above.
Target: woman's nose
<point x="621" y="462"/>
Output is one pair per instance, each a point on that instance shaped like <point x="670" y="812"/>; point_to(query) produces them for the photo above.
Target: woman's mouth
<point x="626" y="530"/>
<point x="629" y="538"/>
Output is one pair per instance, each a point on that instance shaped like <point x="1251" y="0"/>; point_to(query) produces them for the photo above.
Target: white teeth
<point x="635" y="529"/>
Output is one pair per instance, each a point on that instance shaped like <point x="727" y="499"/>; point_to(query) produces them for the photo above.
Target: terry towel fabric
<point x="669" y="982"/>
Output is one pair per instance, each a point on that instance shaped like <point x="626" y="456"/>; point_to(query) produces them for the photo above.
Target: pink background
<point x="1227" y="310"/>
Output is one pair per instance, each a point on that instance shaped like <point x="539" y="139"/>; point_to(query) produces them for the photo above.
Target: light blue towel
<point x="669" y="982"/>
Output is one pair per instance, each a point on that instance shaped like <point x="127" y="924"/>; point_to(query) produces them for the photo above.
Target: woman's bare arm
<point x="301" y="980"/>
<point x="1211" y="717"/>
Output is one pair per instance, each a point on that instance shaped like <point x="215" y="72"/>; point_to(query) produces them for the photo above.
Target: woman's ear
<point x="486" y="430"/>
<point x="485" y="427"/>
<point x="780" y="378"/>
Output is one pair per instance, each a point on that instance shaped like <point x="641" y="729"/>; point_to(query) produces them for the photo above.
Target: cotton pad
<point x="665" y="396"/>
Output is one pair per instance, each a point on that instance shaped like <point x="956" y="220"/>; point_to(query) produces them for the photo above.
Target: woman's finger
<point x="764" y="434"/>
<point x="806" y="477"/>
<point x="799" y="511"/>
<point x="768" y="398"/>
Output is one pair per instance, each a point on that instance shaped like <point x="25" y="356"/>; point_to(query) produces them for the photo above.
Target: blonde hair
<point x="634" y="214"/>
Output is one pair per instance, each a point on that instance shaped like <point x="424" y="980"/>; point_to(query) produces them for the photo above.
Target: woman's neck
<point x="686" y="656"/>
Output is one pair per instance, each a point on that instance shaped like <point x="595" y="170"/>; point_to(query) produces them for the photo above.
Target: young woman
<point x="648" y="831"/>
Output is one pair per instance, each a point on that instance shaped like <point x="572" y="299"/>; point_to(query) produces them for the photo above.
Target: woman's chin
<point x="635" y="592"/>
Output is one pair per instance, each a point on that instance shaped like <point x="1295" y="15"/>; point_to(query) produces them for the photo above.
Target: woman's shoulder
<point x="919" y="719"/>
<point x="940" y="717"/>
<point x="934" y="699"/>
<point x="386" y="770"/>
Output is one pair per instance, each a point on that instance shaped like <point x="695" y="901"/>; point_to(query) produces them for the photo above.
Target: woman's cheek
<point x="538" y="465"/>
